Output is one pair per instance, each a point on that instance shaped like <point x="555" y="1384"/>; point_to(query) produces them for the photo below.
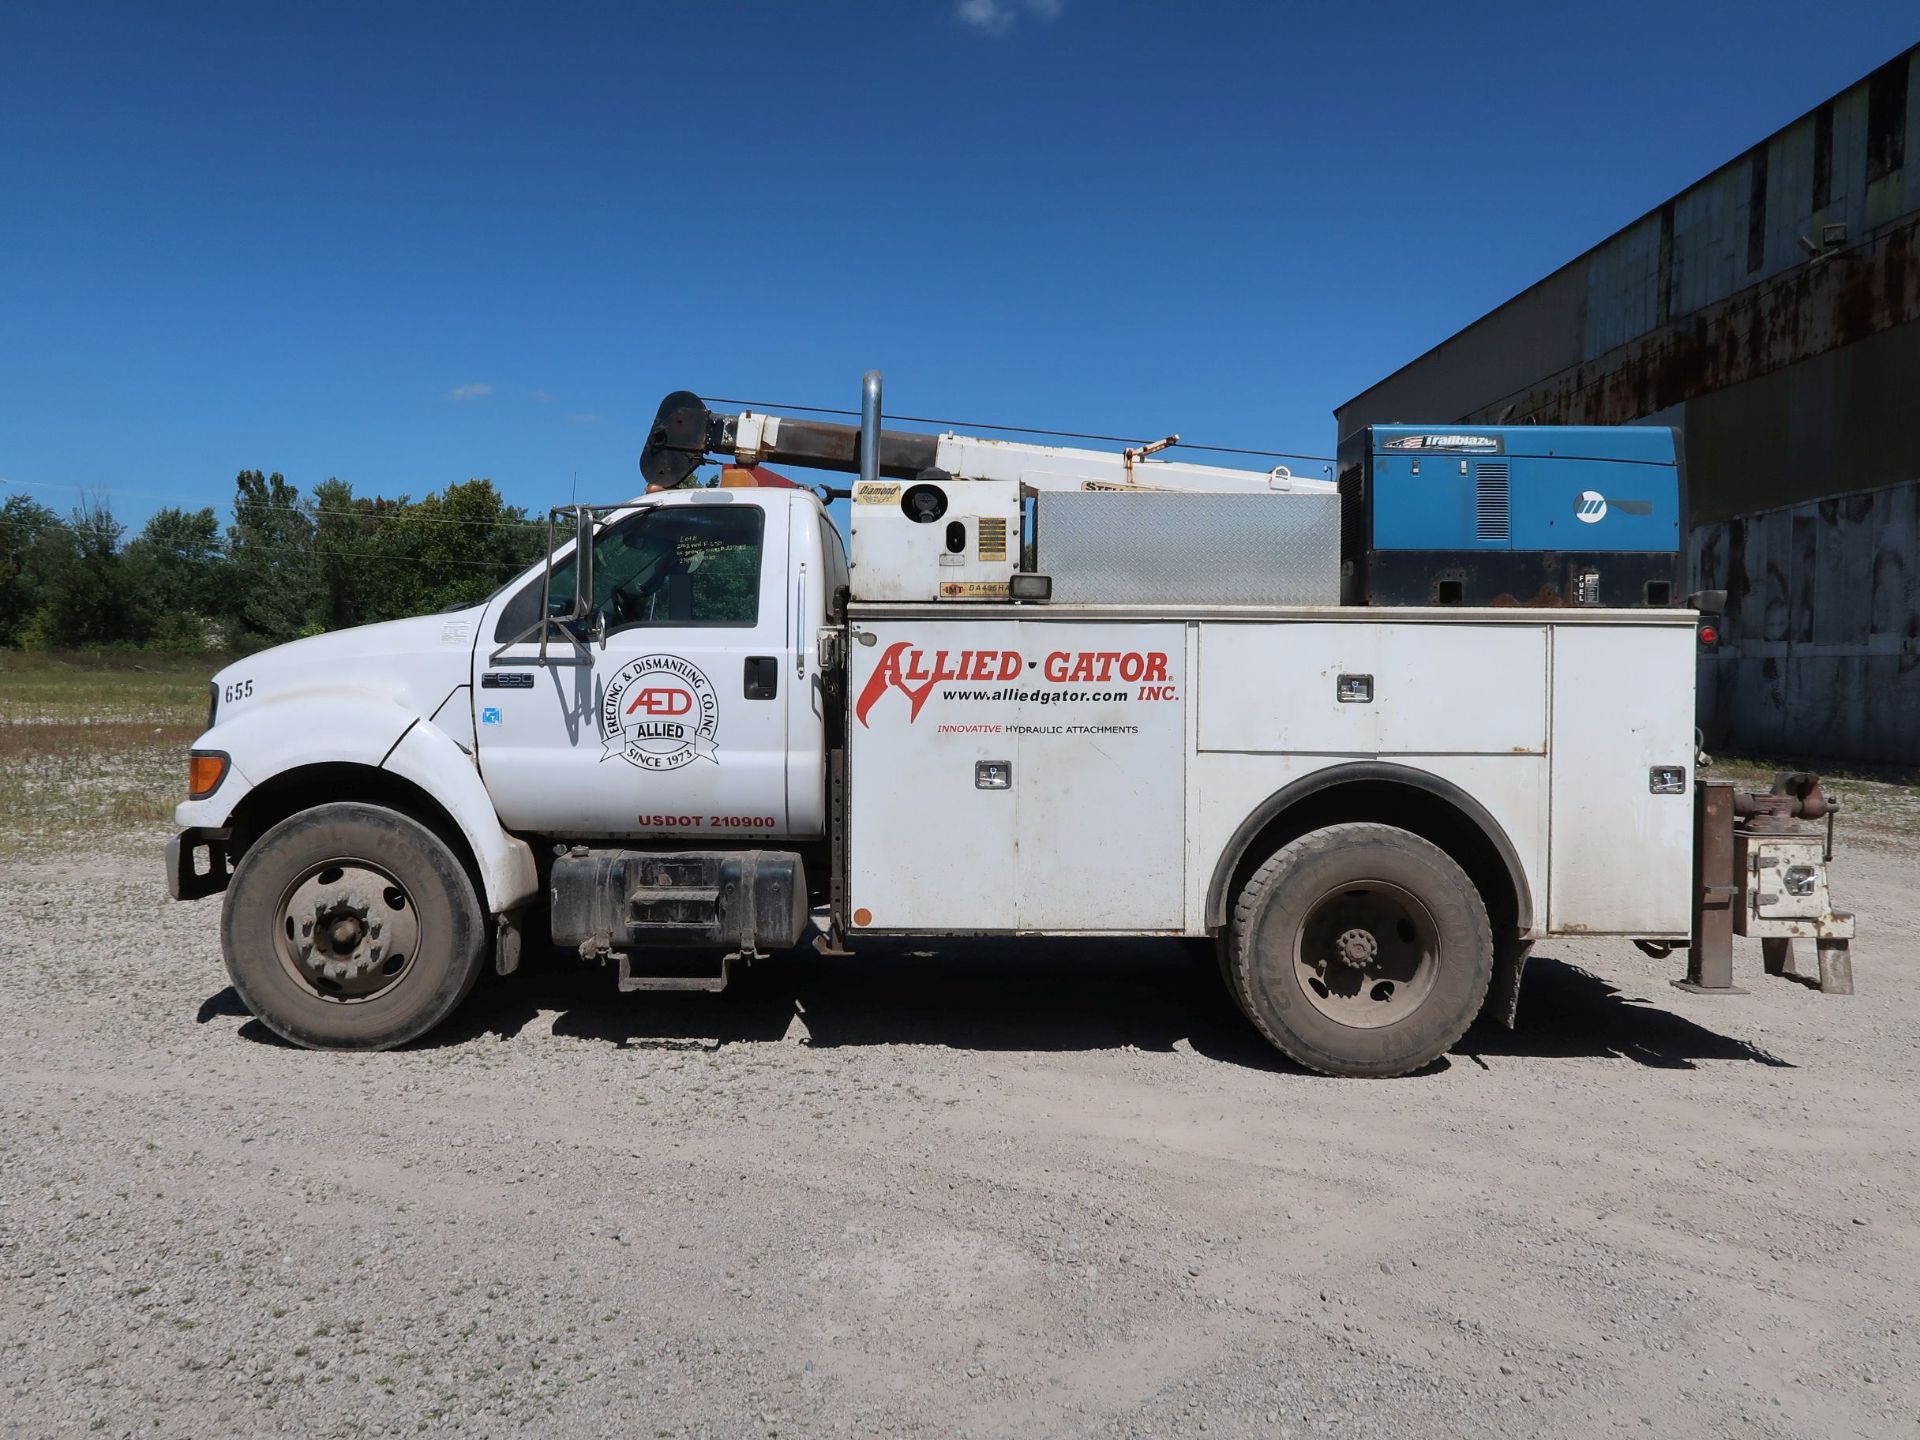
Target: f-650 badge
<point x="659" y="713"/>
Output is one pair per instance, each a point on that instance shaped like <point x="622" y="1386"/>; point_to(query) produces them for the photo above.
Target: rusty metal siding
<point x="1709" y="242"/>
<point x="1820" y="650"/>
<point x="1836" y="423"/>
<point x="1911" y="195"/>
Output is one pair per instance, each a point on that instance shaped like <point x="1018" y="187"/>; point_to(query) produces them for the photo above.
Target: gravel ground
<point x="982" y="1190"/>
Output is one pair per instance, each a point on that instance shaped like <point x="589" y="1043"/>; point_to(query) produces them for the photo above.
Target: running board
<point x="709" y="983"/>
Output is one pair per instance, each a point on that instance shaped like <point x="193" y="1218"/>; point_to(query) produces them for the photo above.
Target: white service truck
<point x="697" y="732"/>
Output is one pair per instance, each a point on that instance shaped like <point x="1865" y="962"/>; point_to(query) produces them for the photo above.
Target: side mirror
<point x="582" y="563"/>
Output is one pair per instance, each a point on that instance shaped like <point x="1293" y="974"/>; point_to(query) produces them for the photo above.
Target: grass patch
<point x="92" y="744"/>
<point x="50" y="688"/>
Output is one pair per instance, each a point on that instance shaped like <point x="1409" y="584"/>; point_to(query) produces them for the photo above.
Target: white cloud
<point x="474" y="390"/>
<point x="996" y="17"/>
<point x="989" y="17"/>
<point x="542" y="397"/>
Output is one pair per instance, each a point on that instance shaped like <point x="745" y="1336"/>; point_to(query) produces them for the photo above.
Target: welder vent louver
<point x="1490" y="500"/>
<point x="993" y="537"/>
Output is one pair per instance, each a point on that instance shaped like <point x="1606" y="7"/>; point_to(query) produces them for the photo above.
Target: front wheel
<point x="1361" y="950"/>
<point x="351" y="927"/>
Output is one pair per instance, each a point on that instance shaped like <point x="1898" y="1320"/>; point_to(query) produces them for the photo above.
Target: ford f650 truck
<point x="1055" y="693"/>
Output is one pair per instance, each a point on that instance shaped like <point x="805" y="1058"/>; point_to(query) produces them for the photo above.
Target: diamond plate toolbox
<point x="1109" y="547"/>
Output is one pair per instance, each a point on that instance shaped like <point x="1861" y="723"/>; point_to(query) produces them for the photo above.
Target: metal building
<point x="1772" y="311"/>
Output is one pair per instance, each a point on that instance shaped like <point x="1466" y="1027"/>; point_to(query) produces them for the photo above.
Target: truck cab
<point x="690" y="701"/>
<point x="677" y="705"/>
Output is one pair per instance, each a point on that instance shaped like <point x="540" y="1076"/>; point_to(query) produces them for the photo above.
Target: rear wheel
<point x="351" y="927"/>
<point x="1360" y="950"/>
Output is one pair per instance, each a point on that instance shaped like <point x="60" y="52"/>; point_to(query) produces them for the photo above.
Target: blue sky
<point x="407" y="244"/>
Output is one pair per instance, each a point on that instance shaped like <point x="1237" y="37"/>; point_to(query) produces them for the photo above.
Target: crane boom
<point x="685" y="432"/>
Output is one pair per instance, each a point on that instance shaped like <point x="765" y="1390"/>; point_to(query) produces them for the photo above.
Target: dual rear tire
<point x="1359" y="950"/>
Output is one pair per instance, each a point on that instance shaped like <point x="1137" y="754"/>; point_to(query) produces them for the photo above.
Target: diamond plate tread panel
<point x="1110" y="547"/>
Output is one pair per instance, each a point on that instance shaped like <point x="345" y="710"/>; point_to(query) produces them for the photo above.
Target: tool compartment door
<point x="1085" y="724"/>
<point x="1619" y="855"/>
<point x="1432" y="689"/>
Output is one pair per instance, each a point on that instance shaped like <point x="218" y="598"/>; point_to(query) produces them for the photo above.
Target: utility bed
<point x="1058" y="793"/>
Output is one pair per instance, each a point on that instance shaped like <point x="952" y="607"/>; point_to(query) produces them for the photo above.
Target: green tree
<point x="79" y="577"/>
<point x="271" y="579"/>
<point x="347" y="551"/>
<point x="453" y="548"/>
<point x="23" y="520"/>
<point x="174" y="568"/>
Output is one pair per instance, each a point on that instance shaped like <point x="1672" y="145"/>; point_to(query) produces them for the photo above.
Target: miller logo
<point x="660" y="713"/>
<point x="1590" y="506"/>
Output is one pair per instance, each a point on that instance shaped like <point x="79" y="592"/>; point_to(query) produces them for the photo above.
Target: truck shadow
<point x="1157" y="996"/>
<point x="1568" y="1012"/>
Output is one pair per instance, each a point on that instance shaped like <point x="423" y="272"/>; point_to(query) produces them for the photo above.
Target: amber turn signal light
<point x="205" y="771"/>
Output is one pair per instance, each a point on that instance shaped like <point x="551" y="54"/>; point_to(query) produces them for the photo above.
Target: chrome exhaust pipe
<point x="870" y="427"/>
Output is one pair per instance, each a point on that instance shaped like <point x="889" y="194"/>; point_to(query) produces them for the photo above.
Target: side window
<point x="836" y="552"/>
<point x="666" y="565"/>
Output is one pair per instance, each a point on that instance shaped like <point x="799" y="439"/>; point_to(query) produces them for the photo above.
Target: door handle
<point x="762" y="677"/>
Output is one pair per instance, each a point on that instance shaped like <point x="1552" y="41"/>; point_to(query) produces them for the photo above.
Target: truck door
<point x="676" y="724"/>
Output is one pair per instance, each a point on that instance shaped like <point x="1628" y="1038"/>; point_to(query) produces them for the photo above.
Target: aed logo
<point x="662" y="700"/>
<point x="914" y="672"/>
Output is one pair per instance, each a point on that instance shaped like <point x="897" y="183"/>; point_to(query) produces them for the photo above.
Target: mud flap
<point x="509" y="938"/>
<point x="1503" y="991"/>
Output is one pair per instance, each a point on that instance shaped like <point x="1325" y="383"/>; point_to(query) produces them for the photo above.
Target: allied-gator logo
<point x="1008" y="676"/>
<point x="659" y="713"/>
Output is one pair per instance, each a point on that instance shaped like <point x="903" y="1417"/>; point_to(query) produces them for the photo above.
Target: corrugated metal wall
<point x="1799" y="674"/>
<point x="1795" y="375"/>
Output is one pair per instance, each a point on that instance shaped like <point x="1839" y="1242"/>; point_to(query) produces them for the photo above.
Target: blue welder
<point x="1511" y="515"/>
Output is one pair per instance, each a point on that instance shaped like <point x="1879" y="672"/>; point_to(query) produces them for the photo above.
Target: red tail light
<point x="1709" y="636"/>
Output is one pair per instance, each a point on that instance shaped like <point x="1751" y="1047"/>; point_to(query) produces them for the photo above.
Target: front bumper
<point x="185" y="881"/>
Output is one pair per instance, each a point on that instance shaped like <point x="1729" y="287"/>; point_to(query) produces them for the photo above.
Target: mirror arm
<point x="582" y="561"/>
<point x="543" y="628"/>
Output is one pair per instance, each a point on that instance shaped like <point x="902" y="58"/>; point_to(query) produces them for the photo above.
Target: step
<point x="710" y="983"/>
